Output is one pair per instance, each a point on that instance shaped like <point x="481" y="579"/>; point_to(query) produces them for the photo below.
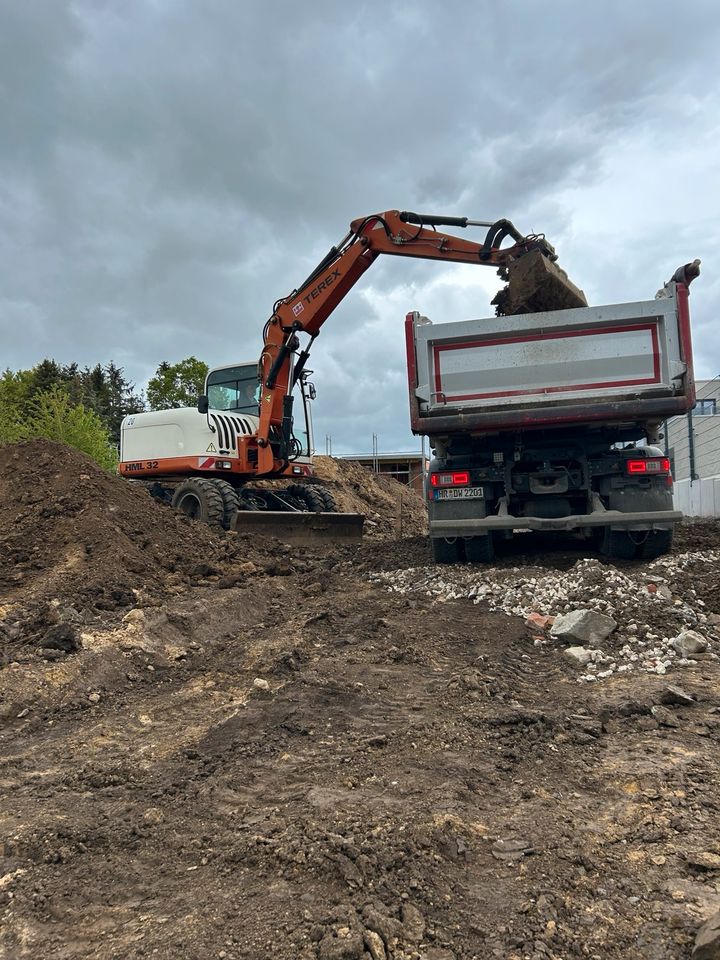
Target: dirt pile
<point x="270" y="754"/>
<point x="391" y="508"/>
<point x="69" y="530"/>
<point x="323" y="770"/>
<point x="77" y="543"/>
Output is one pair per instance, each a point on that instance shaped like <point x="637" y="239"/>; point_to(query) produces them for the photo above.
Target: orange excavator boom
<point x="394" y="233"/>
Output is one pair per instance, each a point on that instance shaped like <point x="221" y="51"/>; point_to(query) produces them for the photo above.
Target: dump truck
<point x="551" y="421"/>
<point x="243" y="459"/>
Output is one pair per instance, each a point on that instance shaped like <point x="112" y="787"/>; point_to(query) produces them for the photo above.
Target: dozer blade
<point x="300" y="527"/>
<point x="535" y="285"/>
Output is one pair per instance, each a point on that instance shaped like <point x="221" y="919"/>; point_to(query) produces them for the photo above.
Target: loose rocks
<point x="707" y="942"/>
<point x="579" y="654"/>
<point x="689" y="642"/>
<point x="587" y="626"/>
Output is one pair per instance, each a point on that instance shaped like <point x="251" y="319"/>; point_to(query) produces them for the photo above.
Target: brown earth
<point x="257" y="753"/>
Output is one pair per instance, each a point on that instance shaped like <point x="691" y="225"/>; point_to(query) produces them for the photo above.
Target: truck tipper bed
<point x="549" y="421"/>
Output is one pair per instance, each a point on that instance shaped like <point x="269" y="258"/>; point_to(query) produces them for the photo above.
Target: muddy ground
<point x="250" y="752"/>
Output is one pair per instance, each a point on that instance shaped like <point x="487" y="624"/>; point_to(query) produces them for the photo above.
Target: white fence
<point x="698" y="498"/>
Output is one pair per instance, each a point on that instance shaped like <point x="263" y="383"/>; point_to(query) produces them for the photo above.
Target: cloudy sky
<point x="169" y="168"/>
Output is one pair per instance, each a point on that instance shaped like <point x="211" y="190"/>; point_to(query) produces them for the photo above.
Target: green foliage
<point x="177" y="384"/>
<point x="54" y="416"/>
<point x="102" y="389"/>
<point x="14" y="394"/>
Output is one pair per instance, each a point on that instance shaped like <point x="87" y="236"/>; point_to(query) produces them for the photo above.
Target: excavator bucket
<point x="300" y="527"/>
<point x="536" y="284"/>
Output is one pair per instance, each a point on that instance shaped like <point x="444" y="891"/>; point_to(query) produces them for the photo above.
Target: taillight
<point x="656" y="465"/>
<point x="458" y="479"/>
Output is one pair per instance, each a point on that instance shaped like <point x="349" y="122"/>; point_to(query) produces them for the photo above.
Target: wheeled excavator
<point x="212" y="462"/>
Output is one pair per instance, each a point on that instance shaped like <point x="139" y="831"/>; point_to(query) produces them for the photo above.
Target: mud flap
<point x="300" y="527"/>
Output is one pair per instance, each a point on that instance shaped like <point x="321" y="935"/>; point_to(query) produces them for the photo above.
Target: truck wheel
<point x="619" y="544"/>
<point x="480" y="549"/>
<point x="445" y="551"/>
<point x="310" y="496"/>
<point x="328" y="499"/>
<point x="230" y="501"/>
<point x="658" y="542"/>
<point x="199" y="498"/>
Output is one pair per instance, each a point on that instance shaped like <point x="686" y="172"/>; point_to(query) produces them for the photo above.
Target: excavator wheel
<point x="328" y="499"/>
<point x="199" y="498"/>
<point x="310" y="496"/>
<point x="230" y="501"/>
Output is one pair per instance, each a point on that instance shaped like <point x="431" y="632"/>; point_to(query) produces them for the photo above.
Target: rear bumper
<point x="641" y="520"/>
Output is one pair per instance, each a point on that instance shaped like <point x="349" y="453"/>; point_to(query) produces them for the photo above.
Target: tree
<point x="54" y="416"/>
<point x="177" y="384"/>
<point x="15" y="389"/>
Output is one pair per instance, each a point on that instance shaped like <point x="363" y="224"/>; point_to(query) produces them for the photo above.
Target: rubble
<point x="647" y="622"/>
<point x="689" y="642"/>
<point x="707" y="942"/>
<point x="586" y="626"/>
<point x="580" y="655"/>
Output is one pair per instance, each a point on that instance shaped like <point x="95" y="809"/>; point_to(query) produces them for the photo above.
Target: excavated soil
<point x="256" y="752"/>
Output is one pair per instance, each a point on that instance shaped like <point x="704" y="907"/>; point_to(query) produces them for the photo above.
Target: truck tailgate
<point x="617" y="362"/>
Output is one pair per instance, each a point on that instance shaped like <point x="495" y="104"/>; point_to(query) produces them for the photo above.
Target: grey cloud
<point x="167" y="170"/>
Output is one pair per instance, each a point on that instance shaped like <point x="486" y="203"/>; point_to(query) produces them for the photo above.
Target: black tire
<point x="658" y="543"/>
<point x="445" y="551"/>
<point x="480" y="549"/>
<point x="330" y="506"/>
<point x="619" y="544"/>
<point x="309" y="496"/>
<point x="200" y="499"/>
<point x="230" y="501"/>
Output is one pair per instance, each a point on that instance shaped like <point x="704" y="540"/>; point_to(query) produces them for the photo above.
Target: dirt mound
<point x="71" y="531"/>
<point x="696" y="533"/>
<point x="391" y="508"/>
<point x="323" y="770"/>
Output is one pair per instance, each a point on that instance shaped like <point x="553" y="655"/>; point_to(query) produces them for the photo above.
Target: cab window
<point x="234" y="388"/>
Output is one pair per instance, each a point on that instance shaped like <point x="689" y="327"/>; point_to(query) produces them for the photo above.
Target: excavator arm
<point x="400" y="234"/>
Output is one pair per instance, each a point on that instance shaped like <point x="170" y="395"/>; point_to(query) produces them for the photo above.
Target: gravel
<point x="650" y="610"/>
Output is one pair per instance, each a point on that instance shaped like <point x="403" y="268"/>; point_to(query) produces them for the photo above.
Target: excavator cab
<point x="234" y="388"/>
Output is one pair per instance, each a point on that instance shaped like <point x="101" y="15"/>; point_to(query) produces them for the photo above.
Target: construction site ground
<point x="212" y="748"/>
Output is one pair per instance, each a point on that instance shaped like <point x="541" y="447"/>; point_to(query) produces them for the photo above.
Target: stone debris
<point x="689" y="642"/>
<point x="511" y="849"/>
<point x="586" y="626"/>
<point x="538" y="621"/>
<point x="665" y="717"/>
<point x="707" y="942"/>
<point x="675" y="696"/>
<point x="579" y="654"/>
<point x="654" y="630"/>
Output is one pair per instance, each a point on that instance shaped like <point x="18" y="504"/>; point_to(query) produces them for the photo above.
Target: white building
<point x="693" y="445"/>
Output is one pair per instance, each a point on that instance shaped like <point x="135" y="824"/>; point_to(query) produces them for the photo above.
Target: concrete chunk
<point x="579" y="654"/>
<point x="588" y="627"/>
<point x="689" y="642"/>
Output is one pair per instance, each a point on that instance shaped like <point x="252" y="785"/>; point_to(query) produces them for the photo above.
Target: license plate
<point x="460" y="493"/>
